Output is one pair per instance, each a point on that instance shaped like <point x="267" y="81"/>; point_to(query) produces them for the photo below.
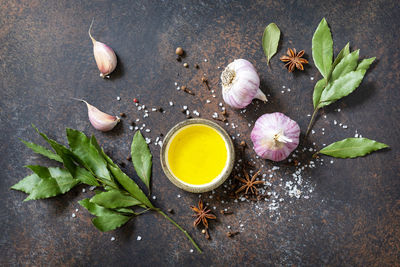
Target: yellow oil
<point x="197" y="154"/>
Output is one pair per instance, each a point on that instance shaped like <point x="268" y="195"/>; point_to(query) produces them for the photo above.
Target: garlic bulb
<point x="105" y="57"/>
<point x="240" y="84"/>
<point x="100" y="120"/>
<point x="275" y="136"/>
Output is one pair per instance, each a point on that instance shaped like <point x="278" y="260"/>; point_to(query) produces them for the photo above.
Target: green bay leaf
<point x="64" y="153"/>
<point x="318" y="88"/>
<point x="322" y="49"/>
<point x="347" y="64"/>
<point x="94" y="142"/>
<point x="107" y="219"/>
<point x="365" y="63"/>
<point x="42" y="151"/>
<point x="130" y="186"/>
<point x="270" y="40"/>
<point x="114" y="199"/>
<point x="141" y="158"/>
<point x="110" y="222"/>
<point x="27" y="184"/>
<point x="344" y="52"/>
<point x="55" y="181"/>
<point x="352" y="147"/>
<point x="44" y="189"/>
<point x="342" y="87"/>
<point x="87" y="153"/>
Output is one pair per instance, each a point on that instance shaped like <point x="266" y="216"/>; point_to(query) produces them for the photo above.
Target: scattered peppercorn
<point x="160" y="109"/>
<point x="196" y="66"/>
<point x="179" y="51"/>
<point x="170" y="210"/>
<point x="179" y="59"/>
<point x="122" y="164"/>
<point x="185" y="65"/>
<point x="132" y="123"/>
<point x="122" y="114"/>
<point x="128" y="158"/>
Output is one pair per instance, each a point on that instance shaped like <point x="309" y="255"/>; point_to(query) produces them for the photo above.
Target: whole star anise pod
<point x="249" y="183"/>
<point x="202" y="214"/>
<point x="294" y="59"/>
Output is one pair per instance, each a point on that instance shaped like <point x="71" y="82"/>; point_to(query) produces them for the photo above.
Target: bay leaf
<point x="347" y="64"/>
<point x="110" y="222"/>
<point x="87" y="153"/>
<point x="270" y="40"/>
<point x="42" y="151"/>
<point x="27" y="184"/>
<point x="318" y="88"/>
<point x="344" y="52"/>
<point x="365" y="63"/>
<point x="141" y="158"/>
<point x="114" y="199"/>
<point x="352" y="147"/>
<point x="342" y="87"/>
<point x="107" y="219"/>
<point x="322" y="49"/>
<point x="130" y="186"/>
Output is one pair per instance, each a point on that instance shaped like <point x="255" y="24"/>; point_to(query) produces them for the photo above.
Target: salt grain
<point x="118" y="98"/>
<point x="139" y="238"/>
<point x="73" y="215"/>
<point x="112" y="238"/>
<point x="171" y="103"/>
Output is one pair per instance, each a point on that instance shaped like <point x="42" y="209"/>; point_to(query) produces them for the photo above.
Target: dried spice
<point x="202" y="214"/>
<point x="249" y="183"/>
<point x="205" y="82"/>
<point x="294" y="59"/>
<point x="186" y="90"/>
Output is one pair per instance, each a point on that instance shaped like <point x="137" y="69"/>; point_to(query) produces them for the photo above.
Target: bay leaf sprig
<point x="340" y="77"/>
<point x="351" y="148"/>
<point x="270" y="40"/>
<point x="119" y="199"/>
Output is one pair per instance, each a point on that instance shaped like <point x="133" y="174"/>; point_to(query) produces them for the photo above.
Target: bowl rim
<point x="216" y="182"/>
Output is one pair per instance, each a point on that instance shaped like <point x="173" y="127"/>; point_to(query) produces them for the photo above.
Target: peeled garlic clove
<point x="275" y="136"/>
<point x="100" y="120"/>
<point x="105" y="57"/>
<point x="240" y="84"/>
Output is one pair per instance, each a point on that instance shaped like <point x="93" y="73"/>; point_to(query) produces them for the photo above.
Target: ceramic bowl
<point x="220" y="179"/>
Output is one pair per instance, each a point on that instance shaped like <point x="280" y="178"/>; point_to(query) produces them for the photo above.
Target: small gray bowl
<point x="220" y="179"/>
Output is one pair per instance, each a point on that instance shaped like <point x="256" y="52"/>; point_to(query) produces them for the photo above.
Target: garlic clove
<point x="105" y="57"/>
<point x="100" y="120"/>
<point x="275" y="136"/>
<point x="240" y="84"/>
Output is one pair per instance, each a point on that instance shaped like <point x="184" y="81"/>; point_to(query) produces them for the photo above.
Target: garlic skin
<point x="105" y="57"/>
<point x="100" y="120"/>
<point x="240" y="84"/>
<point x="275" y="136"/>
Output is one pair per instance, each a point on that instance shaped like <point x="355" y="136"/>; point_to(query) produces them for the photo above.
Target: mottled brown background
<point x="352" y="217"/>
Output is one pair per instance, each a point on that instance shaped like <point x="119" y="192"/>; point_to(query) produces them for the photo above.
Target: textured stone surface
<point x="351" y="218"/>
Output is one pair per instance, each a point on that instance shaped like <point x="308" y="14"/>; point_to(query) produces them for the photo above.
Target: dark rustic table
<point x="348" y="212"/>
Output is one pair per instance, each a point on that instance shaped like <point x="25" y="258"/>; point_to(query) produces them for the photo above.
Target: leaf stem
<point x="180" y="228"/>
<point x="311" y="121"/>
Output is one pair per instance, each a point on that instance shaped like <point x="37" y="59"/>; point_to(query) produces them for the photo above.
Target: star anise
<point x="202" y="214"/>
<point x="294" y="59"/>
<point x="249" y="183"/>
